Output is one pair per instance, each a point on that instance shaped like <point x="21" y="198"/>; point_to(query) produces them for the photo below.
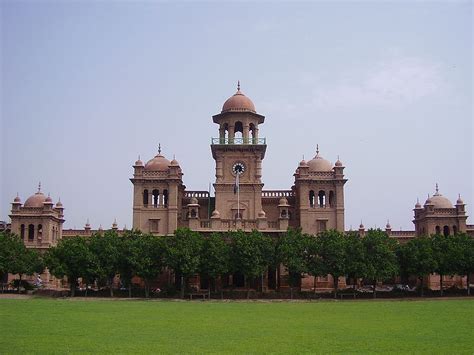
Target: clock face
<point x="238" y="168"/>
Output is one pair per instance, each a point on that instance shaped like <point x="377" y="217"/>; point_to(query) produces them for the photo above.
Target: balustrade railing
<point x="278" y="193"/>
<point x="196" y="194"/>
<point x="239" y="140"/>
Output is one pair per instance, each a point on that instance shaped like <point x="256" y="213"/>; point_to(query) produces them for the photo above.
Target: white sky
<point x="88" y="86"/>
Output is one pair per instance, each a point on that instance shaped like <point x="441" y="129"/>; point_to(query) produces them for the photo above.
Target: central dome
<point x="319" y="164"/>
<point x="439" y="201"/>
<point x="238" y="103"/>
<point x="35" y="200"/>
<point x="158" y="163"/>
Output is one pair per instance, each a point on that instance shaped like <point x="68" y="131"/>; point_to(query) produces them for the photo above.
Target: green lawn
<point x="63" y="325"/>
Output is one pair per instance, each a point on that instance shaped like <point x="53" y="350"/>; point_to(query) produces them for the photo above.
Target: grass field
<point x="63" y="325"/>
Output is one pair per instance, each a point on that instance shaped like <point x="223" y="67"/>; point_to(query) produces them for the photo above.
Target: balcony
<point x="240" y="140"/>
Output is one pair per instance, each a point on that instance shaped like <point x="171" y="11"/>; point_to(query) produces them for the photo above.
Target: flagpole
<point x="238" y="196"/>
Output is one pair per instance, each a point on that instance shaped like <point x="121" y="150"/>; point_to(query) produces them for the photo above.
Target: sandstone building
<point x="161" y="202"/>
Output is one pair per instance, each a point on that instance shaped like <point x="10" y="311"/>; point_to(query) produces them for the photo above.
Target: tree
<point x="126" y="257"/>
<point x="147" y="258"/>
<point x="106" y="249"/>
<point x="332" y="252"/>
<point x="251" y="254"/>
<point x="183" y="251"/>
<point x="417" y="258"/>
<point x="355" y="257"/>
<point x="9" y="245"/>
<point x="314" y="262"/>
<point x="380" y="258"/>
<point x="291" y="252"/>
<point x="215" y="257"/>
<point x="15" y="258"/>
<point x="444" y="253"/>
<point x="71" y="258"/>
<point x="464" y="260"/>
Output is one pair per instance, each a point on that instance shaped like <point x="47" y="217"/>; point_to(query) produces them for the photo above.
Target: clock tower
<point x="238" y="152"/>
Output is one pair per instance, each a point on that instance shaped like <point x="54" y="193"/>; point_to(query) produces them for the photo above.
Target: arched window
<point x="165" y="198"/>
<point x="31" y="232"/>
<point x="238" y="215"/>
<point x="145" y="197"/>
<point x="455" y="230"/>
<point x="238" y="128"/>
<point x="438" y="230"/>
<point x="446" y="230"/>
<point x="22" y="231"/>
<point x="311" y="198"/>
<point x="224" y="133"/>
<point x="252" y="133"/>
<point x="283" y="213"/>
<point x="331" y="198"/>
<point x="193" y="213"/>
<point x="322" y="198"/>
<point x="40" y="231"/>
<point x="156" y="197"/>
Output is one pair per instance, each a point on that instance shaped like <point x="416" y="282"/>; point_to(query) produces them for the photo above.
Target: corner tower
<point x="238" y="152"/>
<point x="320" y="194"/>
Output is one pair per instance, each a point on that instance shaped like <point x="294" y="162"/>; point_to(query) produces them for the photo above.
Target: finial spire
<point x="317" y="148"/>
<point x="139" y="157"/>
<point x="39" y="187"/>
<point x="437" y="190"/>
<point x="159" y="148"/>
<point x="238" y="85"/>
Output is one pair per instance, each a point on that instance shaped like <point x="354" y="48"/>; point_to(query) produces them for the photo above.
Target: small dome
<point x="174" y="162"/>
<point x="35" y="200"/>
<point x="361" y="226"/>
<point x="193" y="201"/>
<point x="303" y="163"/>
<point x="338" y="163"/>
<point x="319" y="164"/>
<point x="428" y="201"/>
<point x="238" y="103"/>
<point x="138" y="162"/>
<point x="158" y="163"/>
<point x="459" y="201"/>
<point x="283" y="202"/>
<point x="418" y="204"/>
<point x="262" y="214"/>
<point x="48" y="200"/>
<point x="17" y="199"/>
<point x="59" y="204"/>
<point x="215" y="214"/>
<point x="388" y="226"/>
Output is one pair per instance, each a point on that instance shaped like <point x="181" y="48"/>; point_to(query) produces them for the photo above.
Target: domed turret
<point x="238" y="103"/>
<point x="459" y="201"/>
<point x="17" y="199"/>
<point x="418" y="204"/>
<point x="283" y="202"/>
<point x="139" y="162"/>
<point x="303" y="163"/>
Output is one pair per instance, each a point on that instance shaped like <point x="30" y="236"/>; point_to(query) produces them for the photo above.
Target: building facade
<point x="161" y="202"/>
<point x="314" y="203"/>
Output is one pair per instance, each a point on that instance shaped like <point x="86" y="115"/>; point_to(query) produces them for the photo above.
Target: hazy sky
<point x="87" y="86"/>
